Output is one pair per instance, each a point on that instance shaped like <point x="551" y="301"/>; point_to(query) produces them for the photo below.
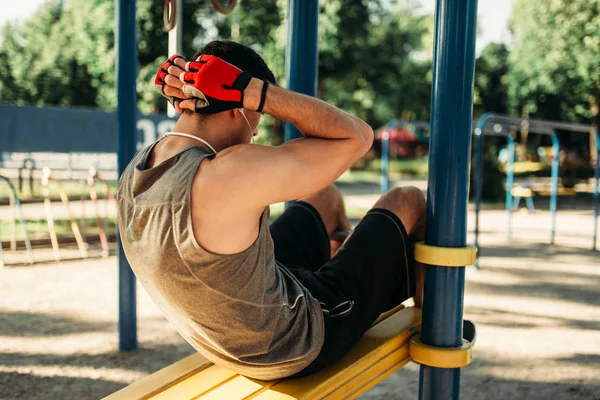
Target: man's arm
<point x="334" y="140"/>
<point x="313" y="117"/>
<point x="232" y="189"/>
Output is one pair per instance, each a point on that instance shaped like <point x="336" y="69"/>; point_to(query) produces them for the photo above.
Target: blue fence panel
<point x="70" y="130"/>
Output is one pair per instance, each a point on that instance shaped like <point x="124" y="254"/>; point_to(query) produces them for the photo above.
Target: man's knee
<point x="325" y="200"/>
<point x="400" y="198"/>
<point x="409" y="204"/>
<point x="329" y="202"/>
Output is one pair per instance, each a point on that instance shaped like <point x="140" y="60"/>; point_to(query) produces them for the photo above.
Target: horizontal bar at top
<point x="539" y="123"/>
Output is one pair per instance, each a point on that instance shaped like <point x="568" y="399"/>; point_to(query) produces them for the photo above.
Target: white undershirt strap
<point x="191" y="137"/>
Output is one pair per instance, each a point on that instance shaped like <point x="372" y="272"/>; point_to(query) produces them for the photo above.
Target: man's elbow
<point x="366" y="138"/>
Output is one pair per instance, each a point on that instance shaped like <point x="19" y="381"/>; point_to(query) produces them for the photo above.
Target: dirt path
<point x="538" y="328"/>
<point x="537" y="310"/>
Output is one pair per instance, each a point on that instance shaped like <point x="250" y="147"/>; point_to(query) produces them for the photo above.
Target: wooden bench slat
<point x="197" y="384"/>
<point x="239" y="387"/>
<point x="519" y="191"/>
<point x="382" y="350"/>
<point x="162" y="379"/>
<point x="387" y="340"/>
<point x="369" y="378"/>
<point x="561" y="192"/>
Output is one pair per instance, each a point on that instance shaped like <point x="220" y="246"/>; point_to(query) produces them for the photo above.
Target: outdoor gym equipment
<point x="15" y="205"/>
<point x="596" y="187"/>
<point x="441" y="348"/>
<point x="381" y="350"/>
<point x="46" y="178"/>
<point x="92" y="177"/>
<point x="385" y="148"/>
<point x="496" y="125"/>
<point x="501" y="125"/>
<point x="28" y="165"/>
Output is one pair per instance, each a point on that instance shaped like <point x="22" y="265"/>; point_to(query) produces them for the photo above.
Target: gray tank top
<point x="243" y="311"/>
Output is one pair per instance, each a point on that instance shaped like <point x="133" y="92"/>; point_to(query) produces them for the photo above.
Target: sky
<point x="492" y="20"/>
<point x="493" y="16"/>
<point x="19" y="10"/>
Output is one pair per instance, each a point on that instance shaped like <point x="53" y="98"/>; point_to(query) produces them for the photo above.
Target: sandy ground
<point x="536" y="307"/>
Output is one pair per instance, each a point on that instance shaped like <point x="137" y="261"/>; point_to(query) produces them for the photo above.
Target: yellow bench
<point x="382" y="350"/>
<point x="562" y="191"/>
<point x="519" y="191"/>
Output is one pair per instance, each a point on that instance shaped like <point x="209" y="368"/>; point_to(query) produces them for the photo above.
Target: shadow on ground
<point x="146" y="360"/>
<point x="28" y="324"/>
<point x="548" y="252"/>
<point x="564" y="285"/>
<point x="477" y="384"/>
<point x="514" y="319"/>
<point x="41" y="387"/>
<point x="143" y="359"/>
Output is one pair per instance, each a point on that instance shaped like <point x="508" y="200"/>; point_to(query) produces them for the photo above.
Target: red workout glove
<point x="217" y="81"/>
<point x="163" y="71"/>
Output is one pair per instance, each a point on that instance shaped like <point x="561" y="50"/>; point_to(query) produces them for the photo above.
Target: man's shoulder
<point x="226" y="161"/>
<point x="243" y="153"/>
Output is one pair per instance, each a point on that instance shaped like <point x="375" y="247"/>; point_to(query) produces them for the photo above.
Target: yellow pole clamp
<point x="441" y="357"/>
<point x="445" y="256"/>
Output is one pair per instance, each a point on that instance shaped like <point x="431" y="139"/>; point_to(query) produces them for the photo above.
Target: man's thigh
<point x="371" y="274"/>
<point x="300" y="238"/>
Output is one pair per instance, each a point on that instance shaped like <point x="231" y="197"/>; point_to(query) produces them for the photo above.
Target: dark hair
<point x="239" y="55"/>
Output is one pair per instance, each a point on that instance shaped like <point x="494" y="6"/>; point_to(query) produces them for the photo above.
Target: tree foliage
<point x="43" y="60"/>
<point x="65" y="53"/>
<point x="490" y="84"/>
<point x="366" y="63"/>
<point x="555" y="64"/>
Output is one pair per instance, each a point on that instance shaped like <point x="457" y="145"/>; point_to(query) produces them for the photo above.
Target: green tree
<point x="366" y="61"/>
<point x="40" y="64"/>
<point x="490" y="85"/>
<point x="252" y="23"/>
<point x="65" y="53"/>
<point x="555" y="64"/>
<point x="366" y="55"/>
<point x="369" y="53"/>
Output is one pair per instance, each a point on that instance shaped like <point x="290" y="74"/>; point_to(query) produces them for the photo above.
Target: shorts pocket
<point x="343" y="308"/>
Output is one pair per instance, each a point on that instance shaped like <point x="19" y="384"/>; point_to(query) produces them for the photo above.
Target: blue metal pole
<point x="126" y="129"/>
<point x="554" y="185"/>
<point x="479" y="174"/>
<point x="596" y="189"/>
<point x="302" y="57"/>
<point x="447" y="200"/>
<point x="385" y="160"/>
<point x="510" y="182"/>
<point x="19" y="207"/>
<point x="478" y="186"/>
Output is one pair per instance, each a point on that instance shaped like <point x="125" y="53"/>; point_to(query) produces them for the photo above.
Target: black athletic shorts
<point x="372" y="273"/>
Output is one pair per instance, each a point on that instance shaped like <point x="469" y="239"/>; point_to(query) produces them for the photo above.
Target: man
<point x="267" y="302"/>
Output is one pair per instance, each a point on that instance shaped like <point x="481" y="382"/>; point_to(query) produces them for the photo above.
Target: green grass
<point x="371" y="173"/>
<point x="360" y="177"/>
<point x="354" y="211"/>
<point x="39" y="228"/>
<point x="414" y="167"/>
<point x="529" y="168"/>
<point x="75" y="189"/>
